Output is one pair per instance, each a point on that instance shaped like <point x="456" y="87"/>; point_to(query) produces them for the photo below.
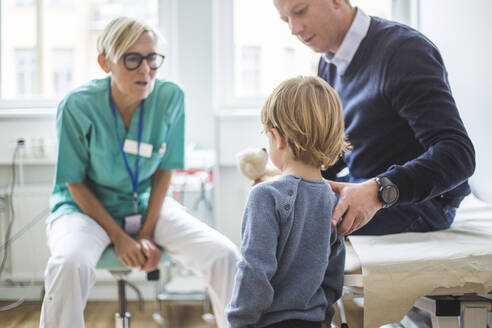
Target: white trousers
<point x="76" y="242"/>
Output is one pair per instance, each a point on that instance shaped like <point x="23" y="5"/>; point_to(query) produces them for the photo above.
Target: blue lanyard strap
<point x="134" y="178"/>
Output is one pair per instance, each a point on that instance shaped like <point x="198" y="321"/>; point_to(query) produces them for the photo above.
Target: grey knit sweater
<point x="292" y="265"/>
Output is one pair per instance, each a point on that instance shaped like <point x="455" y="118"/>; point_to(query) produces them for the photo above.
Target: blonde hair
<point x="120" y="34"/>
<point x="308" y="113"/>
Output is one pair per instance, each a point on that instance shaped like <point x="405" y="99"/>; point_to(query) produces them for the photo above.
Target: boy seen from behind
<point x="291" y="272"/>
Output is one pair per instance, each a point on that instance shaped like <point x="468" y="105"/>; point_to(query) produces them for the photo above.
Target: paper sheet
<point x="398" y="269"/>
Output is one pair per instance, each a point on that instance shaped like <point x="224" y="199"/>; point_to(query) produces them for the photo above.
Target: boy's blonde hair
<point x="120" y="34"/>
<point x="307" y="112"/>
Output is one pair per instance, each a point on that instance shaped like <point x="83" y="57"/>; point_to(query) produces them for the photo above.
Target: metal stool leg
<point x="122" y="318"/>
<point x="341" y="312"/>
<point x="139" y="295"/>
<point x="207" y="316"/>
<point x="158" y="317"/>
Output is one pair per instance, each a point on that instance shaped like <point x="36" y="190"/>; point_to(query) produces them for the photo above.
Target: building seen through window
<point x="277" y="54"/>
<point x="59" y="42"/>
<point x="48" y="51"/>
<point x="250" y="75"/>
<point x="25" y="72"/>
<point x="62" y="3"/>
<point x="25" y="3"/>
<point x="62" y="71"/>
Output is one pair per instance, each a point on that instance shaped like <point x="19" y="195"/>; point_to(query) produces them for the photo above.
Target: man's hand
<point x="358" y="202"/>
<point x="129" y="251"/>
<point x="152" y="253"/>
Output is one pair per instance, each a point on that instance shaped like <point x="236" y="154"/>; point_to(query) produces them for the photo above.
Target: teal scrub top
<point x="88" y="148"/>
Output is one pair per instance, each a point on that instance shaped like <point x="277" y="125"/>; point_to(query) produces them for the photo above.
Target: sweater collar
<point x="356" y="33"/>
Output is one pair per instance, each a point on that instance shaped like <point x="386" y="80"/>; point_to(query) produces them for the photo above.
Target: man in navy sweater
<point x="411" y="154"/>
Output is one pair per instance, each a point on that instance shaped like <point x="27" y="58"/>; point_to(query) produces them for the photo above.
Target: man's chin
<point x="317" y="48"/>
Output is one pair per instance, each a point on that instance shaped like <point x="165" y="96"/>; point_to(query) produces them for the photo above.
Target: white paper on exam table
<point x="398" y="269"/>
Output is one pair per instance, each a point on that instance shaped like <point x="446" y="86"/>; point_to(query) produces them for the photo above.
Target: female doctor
<point x="119" y="140"/>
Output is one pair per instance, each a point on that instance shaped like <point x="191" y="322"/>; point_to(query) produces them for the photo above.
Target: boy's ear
<point x="103" y="63"/>
<point x="279" y="139"/>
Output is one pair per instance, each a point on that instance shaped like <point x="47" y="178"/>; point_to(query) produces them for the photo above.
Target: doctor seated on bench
<point x="411" y="153"/>
<point x="119" y="140"/>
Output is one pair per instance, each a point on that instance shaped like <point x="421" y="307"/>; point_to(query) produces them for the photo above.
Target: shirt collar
<point x="357" y="32"/>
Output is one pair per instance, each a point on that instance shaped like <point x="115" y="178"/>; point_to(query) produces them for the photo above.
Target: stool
<point x="109" y="261"/>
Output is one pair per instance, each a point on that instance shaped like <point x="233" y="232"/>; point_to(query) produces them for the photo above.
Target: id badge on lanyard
<point x="132" y="223"/>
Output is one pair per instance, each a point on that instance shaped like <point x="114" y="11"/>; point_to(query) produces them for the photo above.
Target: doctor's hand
<point x="129" y="251"/>
<point x="358" y="202"/>
<point x="152" y="253"/>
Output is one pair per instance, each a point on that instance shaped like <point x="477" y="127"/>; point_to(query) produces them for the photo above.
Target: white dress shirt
<point x="357" y="32"/>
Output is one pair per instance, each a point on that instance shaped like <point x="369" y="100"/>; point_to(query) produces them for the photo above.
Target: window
<point x="25" y="72"/>
<point x="50" y="51"/>
<point x="380" y="8"/>
<point x="25" y="3"/>
<point x="249" y="83"/>
<point x="62" y="3"/>
<point x="62" y="71"/>
<point x="263" y="51"/>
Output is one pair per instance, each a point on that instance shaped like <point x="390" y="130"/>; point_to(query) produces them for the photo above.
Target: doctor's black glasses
<point x="133" y="60"/>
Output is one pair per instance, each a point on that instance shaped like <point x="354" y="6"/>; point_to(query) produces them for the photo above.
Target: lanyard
<point x="134" y="178"/>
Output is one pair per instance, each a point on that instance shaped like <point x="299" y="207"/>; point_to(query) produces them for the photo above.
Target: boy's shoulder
<point x="278" y="185"/>
<point x="277" y="195"/>
<point x="277" y="188"/>
<point x="286" y="187"/>
<point x="290" y="183"/>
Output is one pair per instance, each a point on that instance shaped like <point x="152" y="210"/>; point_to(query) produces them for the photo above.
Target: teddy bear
<point x="253" y="164"/>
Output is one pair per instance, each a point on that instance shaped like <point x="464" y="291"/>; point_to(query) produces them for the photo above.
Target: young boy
<point x="291" y="273"/>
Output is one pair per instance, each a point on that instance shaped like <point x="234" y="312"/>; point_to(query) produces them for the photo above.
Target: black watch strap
<point x="388" y="192"/>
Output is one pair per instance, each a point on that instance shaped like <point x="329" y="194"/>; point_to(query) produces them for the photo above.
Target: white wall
<point x="461" y="30"/>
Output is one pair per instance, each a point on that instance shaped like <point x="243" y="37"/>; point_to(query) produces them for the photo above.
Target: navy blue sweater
<point x="400" y="116"/>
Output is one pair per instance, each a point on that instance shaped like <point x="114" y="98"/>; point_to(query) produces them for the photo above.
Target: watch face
<point x="389" y="194"/>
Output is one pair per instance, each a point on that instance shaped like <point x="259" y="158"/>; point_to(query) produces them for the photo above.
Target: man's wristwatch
<point x="387" y="192"/>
